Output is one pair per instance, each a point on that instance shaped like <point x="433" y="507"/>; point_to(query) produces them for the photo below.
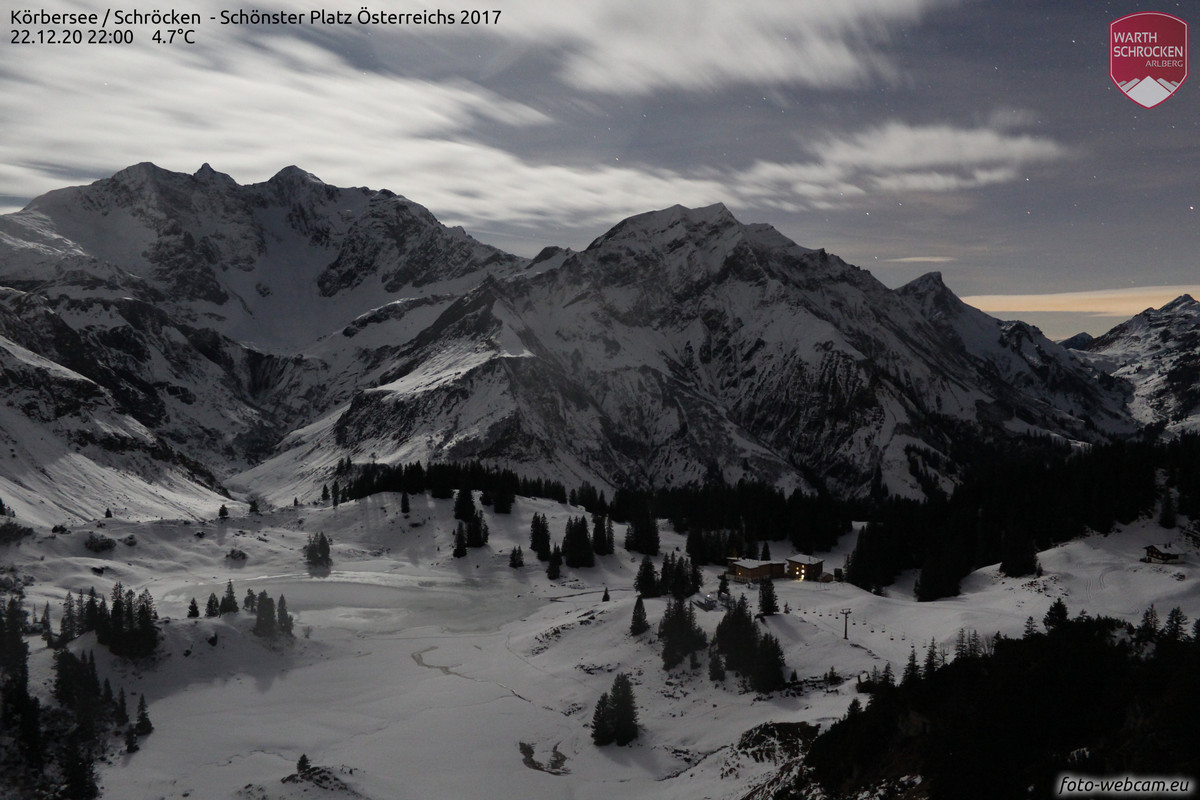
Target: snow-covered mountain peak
<point x="1184" y="304"/>
<point x="206" y="174"/>
<point x="1158" y="351"/>
<point x="295" y="175"/>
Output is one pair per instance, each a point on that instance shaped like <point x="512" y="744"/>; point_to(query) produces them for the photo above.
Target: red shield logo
<point x="1147" y="56"/>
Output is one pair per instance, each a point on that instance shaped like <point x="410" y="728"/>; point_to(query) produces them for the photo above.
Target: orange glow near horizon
<point x="1103" y="302"/>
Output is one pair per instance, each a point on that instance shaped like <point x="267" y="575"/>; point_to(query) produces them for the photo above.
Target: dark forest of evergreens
<point x="1010" y="504"/>
<point x="1090" y="696"/>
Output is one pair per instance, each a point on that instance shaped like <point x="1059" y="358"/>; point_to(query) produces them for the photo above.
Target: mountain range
<point x="166" y="339"/>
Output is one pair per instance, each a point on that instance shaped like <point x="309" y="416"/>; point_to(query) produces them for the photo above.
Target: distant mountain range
<point x="165" y="335"/>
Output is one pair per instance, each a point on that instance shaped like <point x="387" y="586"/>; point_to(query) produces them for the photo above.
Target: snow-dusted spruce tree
<point x="646" y="582"/>
<point x="639" y="624"/>
<point x="602" y="722"/>
<point x="284" y="618"/>
<point x="624" y="710"/>
<point x="615" y="717"/>
<point x="229" y="603"/>
<point x="142" y="725"/>
<point x="767" y="602"/>
<point x="464" y="505"/>
<point x="539" y="537"/>
<point x="265" y="623"/>
<point x="316" y="551"/>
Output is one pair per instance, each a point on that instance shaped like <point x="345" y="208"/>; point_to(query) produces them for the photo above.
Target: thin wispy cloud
<point x="629" y="46"/>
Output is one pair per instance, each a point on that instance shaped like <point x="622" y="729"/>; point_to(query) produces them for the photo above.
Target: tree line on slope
<point x="1012" y="504"/>
<point x="49" y="751"/>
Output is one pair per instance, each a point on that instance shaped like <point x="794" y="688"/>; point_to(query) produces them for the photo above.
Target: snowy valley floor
<point x="417" y="675"/>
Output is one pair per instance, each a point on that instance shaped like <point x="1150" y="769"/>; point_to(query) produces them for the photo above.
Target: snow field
<point x="430" y="676"/>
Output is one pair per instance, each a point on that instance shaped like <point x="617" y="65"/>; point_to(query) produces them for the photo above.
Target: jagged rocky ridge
<point x="1158" y="352"/>
<point x="268" y="330"/>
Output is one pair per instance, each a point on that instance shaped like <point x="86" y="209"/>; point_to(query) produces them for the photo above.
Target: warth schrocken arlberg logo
<point x="1147" y="56"/>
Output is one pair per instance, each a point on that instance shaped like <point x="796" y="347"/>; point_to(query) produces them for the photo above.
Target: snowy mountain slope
<point x="1158" y="352"/>
<point x="286" y="325"/>
<point x="684" y="345"/>
<point x="277" y="264"/>
<point x="67" y="453"/>
<point x="1028" y="375"/>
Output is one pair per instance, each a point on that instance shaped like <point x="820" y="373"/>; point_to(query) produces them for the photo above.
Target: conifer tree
<point x="404" y="504"/>
<point x="284" y="618"/>
<point x="624" y="710"/>
<point x="539" y="537"/>
<point x="265" y="621"/>
<point x="646" y="582"/>
<point x="213" y="607"/>
<point x="605" y="598"/>
<point x="1056" y="616"/>
<point x="78" y="770"/>
<point x="317" y="550"/>
<point x="768" y="605"/>
<point x="768" y="665"/>
<point x="516" y="559"/>
<point x="142" y="726"/>
<point x="1147" y="631"/>
<point x="193" y="609"/>
<point x="1175" y="628"/>
<point x="47" y="629"/>
<point x="464" y="505"/>
<point x="250" y="601"/>
<point x="716" y="667"/>
<point x="639" y="624"/>
<point x="911" y="671"/>
<point x="223" y="513"/>
<point x="303" y="765"/>
<point x="460" y="542"/>
<point x="68" y="630"/>
<point x="121" y="714"/>
<point x="554" y="566"/>
<point x="931" y="659"/>
<point x="229" y="603"/>
<point x="888" y="677"/>
<point x="679" y="633"/>
<point x="599" y="537"/>
<point x="577" y="545"/>
<point x="602" y="722"/>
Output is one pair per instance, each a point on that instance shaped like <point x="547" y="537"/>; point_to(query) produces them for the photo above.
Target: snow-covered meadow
<point x="415" y="675"/>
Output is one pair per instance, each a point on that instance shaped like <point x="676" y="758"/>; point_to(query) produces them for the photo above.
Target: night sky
<point x="984" y="140"/>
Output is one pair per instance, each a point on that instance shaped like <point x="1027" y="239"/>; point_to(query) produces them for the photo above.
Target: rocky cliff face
<point x="1158" y="353"/>
<point x="285" y="325"/>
